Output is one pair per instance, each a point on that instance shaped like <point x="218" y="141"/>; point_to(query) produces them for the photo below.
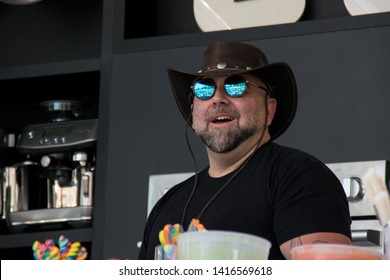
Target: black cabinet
<point x="50" y="50"/>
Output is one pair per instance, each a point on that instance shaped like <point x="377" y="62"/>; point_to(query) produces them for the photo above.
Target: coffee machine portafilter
<point x="69" y="183"/>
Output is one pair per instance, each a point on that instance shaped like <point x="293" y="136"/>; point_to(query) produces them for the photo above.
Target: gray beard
<point x="225" y="140"/>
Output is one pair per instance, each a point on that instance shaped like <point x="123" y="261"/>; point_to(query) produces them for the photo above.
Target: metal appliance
<point x="366" y="229"/>
<point x="64" y="148"/>
<point x="12" y="172"/>
<point x="159" y="184"/>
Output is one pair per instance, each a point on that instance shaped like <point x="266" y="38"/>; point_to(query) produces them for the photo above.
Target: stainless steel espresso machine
<point x="366" y="229"/>
<point x="55" y="182"/>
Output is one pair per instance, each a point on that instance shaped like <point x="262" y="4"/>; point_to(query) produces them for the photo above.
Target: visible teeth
<point x="224" y="118"/>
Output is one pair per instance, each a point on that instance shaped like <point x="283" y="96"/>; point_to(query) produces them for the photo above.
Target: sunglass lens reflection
<point x="235" y="86"/>
<point x="204" y="89"/>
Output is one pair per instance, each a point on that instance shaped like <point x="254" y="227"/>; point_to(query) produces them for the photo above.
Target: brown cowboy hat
<point x="221" y="59"/>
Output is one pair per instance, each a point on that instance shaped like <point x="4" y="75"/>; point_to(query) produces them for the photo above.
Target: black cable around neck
<point x="195" y="166"/>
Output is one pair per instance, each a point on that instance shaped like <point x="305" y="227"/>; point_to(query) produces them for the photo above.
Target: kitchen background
<point x="97" y="51"/>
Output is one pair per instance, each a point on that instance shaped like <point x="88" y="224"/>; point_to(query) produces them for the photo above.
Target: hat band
<point x="223" y="66"/>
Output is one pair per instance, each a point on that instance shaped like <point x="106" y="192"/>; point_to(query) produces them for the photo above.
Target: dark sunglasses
<point x="235" y="86"/>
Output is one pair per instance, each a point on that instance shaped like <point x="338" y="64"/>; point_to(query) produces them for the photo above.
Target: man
<point x="238" y="103"/>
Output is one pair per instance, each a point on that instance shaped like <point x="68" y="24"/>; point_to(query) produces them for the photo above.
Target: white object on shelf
<point x="363" y="7"/>
<point x="160" y="184"/>
<point x="214" y="15"/>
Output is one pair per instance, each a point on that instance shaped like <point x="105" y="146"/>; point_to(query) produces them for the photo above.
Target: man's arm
<point x="311" y="238"/>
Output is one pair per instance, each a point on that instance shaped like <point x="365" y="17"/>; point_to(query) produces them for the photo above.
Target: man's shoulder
<point x="282" y="157"/>
<point x="287" y="152"/>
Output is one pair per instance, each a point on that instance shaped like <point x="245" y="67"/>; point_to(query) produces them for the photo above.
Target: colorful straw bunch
<point x="65" y="250"/>
<point x="168" y="236"/>
<point x="195" y="225"/>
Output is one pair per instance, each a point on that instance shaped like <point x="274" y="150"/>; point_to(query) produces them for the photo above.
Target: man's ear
<point x="271" y="107"/>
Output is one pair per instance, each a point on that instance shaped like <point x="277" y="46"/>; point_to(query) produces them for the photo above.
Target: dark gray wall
<point x="343" y="115"/>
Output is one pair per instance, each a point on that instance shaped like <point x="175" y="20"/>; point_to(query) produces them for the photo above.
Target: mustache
<point x="221" y="109"/>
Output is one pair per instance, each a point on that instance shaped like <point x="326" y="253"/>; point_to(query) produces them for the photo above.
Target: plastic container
<point x="386" y="237"/>
<point x="165" y="252"/>
<point x="222" y="245"/>
<point x="334" y="252"/>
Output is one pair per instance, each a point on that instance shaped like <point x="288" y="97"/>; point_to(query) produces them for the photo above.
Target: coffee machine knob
<point x="45" y="161"/>
<point x="353" y="188"/>
<point x="80" y="156"/>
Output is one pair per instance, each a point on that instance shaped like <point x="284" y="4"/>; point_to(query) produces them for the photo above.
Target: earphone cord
<point x="226" y="184"/>
<point x="195" y="165"/>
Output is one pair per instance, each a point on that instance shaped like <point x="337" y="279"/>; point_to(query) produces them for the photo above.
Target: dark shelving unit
<point x="50" y="50"/>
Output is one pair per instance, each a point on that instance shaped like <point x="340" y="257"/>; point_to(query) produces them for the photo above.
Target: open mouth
<point x="222" y="119"/>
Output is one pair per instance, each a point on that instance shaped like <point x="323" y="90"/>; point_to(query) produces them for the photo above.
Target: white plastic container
<point x="222" y="245"/>
<point x="386" y="237"/>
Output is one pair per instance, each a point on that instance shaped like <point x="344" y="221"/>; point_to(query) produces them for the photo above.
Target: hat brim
<point x="279" y="75"/>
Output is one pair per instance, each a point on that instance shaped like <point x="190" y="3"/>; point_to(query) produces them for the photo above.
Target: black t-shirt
<point x="282" y="193"/>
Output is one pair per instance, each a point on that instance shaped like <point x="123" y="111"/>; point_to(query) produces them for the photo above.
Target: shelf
<point x="51" y="50"/>
<point x="46" y="69"/>
<point x="50" y="31"/>
<point x="26" y="253"/>
<point x="129" y="39"/>
<point x="19" y="245"/>
<point x="21" y="97"/>
<point x="59" y="81"/>
<point x="255" y="33"/>
<point x="16" y="240"/>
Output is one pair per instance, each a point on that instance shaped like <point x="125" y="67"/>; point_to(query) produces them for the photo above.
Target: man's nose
<point x="220" y="95"/>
